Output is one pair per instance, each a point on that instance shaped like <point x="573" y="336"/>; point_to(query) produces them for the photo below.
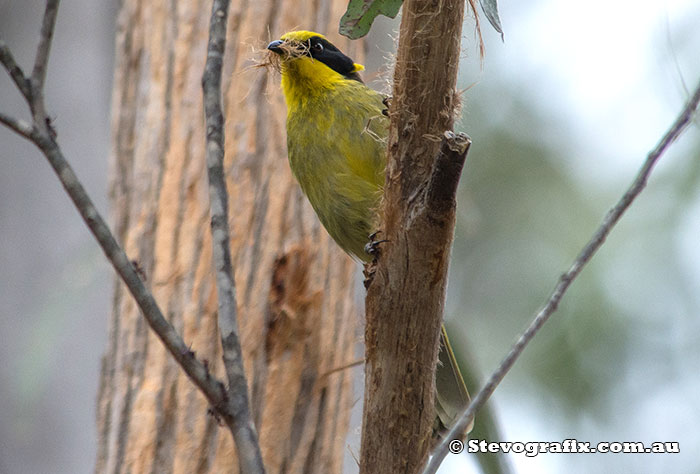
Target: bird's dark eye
<point x="317" y="48"/>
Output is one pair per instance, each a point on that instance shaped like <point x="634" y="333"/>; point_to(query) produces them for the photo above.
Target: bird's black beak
<point x="275" y="46"/>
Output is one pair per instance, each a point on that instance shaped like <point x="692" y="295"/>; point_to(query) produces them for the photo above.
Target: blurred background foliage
<point x="618" y="362"/>
<point x="562" y="115"/>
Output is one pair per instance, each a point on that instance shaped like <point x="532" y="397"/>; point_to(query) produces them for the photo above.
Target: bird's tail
<point x="451" y="397"/>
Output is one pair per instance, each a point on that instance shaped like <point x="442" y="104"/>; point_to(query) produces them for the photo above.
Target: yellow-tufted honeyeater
<point x="336" y="140"/>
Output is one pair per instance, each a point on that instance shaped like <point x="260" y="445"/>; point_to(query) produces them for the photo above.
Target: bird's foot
<point x="372" y="248"/>
<point x="387" y="102"/>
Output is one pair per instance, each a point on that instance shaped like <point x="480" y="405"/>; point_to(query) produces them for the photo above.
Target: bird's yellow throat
<point x="305" y="77"/>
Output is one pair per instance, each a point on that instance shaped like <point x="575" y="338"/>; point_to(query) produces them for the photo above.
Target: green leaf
<point x="361" y="13"/>
<point x="490" y="8"/>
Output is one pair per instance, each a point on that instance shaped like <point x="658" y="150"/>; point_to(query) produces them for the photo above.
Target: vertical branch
<point x="245" y="435"/>
<point x="405" y="299"/>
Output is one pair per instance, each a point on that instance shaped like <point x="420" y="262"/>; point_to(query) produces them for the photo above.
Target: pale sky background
<point x="607" y="73"/>
<point x="611" y="74"/>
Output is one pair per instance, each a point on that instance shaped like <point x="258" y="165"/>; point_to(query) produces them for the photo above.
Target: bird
<point x="337" y="130"/>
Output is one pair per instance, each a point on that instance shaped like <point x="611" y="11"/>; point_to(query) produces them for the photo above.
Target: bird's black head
<point x="318" y="48"/>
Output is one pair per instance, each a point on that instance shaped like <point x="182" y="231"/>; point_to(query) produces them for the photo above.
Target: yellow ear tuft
<point x="358" y="67"/>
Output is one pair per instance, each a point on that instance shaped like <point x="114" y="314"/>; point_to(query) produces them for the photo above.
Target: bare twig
<point x="244" y="433"/>
<point x="42" y="53"/>
<point x="343" y="367"/>
<point x="41" y="134"/>
<point x="17" y="125"/>
<point x="14" y="70"/>
<point x="40" y="63"/>
<point x="596" y="241"/>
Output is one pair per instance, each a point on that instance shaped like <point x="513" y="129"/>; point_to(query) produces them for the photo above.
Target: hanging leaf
<point x="361" y="13"/>
<point x="490" y="8"/>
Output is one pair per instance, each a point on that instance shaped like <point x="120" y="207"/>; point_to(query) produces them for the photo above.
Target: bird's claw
<point x="372" y="247"/>
<point x="387" y="102"/>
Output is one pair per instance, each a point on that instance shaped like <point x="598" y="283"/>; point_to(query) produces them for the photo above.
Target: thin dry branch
<point x="41" y="134"/>
<point x="38" y="77"/>
<point x="14" y="70"/>
<point x="596" y="241"/>
<point x="17" y="125"/>
<point x="244" y="433"/>
<point x="42" y="52"/>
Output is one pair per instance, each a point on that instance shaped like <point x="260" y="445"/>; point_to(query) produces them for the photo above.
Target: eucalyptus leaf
<point x="361" y="13"/>
<point x="490" y="8"/>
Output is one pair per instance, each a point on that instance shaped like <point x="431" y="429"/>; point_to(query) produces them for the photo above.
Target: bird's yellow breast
<point x="336" y="147"/>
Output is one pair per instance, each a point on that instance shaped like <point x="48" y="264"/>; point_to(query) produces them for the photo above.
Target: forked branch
<point x="41" y="133"/>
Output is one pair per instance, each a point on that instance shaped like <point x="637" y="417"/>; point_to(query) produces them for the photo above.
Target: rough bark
<point x="406" y="297"/>
<point x="297" y="314"/>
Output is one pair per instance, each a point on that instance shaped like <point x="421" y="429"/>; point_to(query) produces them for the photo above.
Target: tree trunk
<point x="406" y="298"/>
<point x="295" y="290"/>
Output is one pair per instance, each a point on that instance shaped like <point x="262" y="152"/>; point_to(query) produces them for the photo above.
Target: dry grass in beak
<point x="269" y="60"/>
<point x="295" y="48"/>
<point x="272" y="60"/>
